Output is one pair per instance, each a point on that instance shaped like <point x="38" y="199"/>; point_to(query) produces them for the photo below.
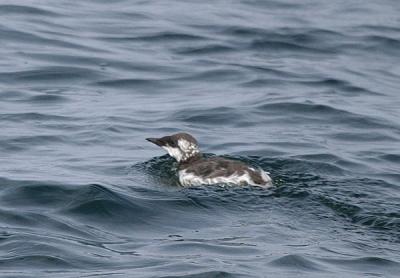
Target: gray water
<point x="307" y="90"/>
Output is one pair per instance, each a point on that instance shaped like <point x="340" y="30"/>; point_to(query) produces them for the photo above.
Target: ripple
<point x="362" y="137"/>
<point x="13" y="35"/>
<point x="297" y="262"/>
<point x="26" y="10"/>
<point x="33" y="194"/>
<point x="324" y="113"/>
<point x="96" y="201"/>
<point x="215" y="116"/>
<point x="204" y="50"/>
<point x="216" y="75"/>
<point x="159" y="37"/>
<point x="193" y="247"/>
<point x="391" y="157"/>
<point x="352" y="205"/>
<point x="50" y="74"/>
<point x="47" y="98"/>
<point x="341" y="85"/>
<point x="382" y="42"/>
<point x="204" y="274"/>
<point x="280" y="46"/>
<point x="159" y="169"/>
<point x="134" y="83"/>
<point x="36" y="140"/>
<point x="33" y="116"/>
<point x="35" y="261"/>
<point x="368" y="264"/>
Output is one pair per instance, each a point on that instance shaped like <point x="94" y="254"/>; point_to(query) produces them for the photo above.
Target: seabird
<point x="194" y="169"/>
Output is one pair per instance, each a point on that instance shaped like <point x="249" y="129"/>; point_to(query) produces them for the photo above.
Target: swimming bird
<point x="194" y="169"/>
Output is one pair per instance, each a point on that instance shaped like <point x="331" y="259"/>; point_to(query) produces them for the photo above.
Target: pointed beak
<point x="155" y="141"/>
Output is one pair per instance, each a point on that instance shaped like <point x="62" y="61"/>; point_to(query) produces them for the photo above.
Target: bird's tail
<point x="267" y="179"/>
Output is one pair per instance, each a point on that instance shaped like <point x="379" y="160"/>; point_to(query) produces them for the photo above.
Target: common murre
<point x="194" y="169"/>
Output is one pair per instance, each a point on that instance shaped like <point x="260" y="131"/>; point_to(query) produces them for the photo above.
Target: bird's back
<point x="221" y="170"/>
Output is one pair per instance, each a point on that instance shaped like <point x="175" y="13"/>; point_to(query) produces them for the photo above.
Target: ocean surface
<point x="307" y="90"/>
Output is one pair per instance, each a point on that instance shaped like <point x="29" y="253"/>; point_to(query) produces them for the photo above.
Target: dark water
<point x="308" y="90"/>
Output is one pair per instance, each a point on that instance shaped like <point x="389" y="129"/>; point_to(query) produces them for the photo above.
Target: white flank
<point x="189" y="179"/>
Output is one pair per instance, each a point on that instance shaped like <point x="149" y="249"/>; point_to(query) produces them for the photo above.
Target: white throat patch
<point x="174" y="152"/>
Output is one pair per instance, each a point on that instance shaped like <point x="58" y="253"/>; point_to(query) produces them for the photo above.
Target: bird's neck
<point x="189" y="159"/>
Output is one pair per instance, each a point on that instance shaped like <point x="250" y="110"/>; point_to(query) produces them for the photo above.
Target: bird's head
<point x="180" y="146"/>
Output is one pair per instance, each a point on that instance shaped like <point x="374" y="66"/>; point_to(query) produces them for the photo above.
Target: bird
<point x="194" y="169"/>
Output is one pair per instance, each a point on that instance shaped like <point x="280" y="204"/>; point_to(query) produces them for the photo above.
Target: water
<point x="308" y="90"/>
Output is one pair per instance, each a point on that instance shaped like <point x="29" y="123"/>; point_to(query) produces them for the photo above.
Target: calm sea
<point x="307" y="90"/>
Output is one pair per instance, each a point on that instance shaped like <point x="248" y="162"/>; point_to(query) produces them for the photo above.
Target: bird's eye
<point x="172" y="144"/>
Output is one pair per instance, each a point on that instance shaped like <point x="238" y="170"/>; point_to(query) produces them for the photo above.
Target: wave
<point x="158" y="37"/>
<point x="297" y="262"/>
<point x="323" y="113"/>
<point x="50" y="74"/>
<point x="206" y="274"/>
<point x="27" y="10"/>
<point x="214" y="116"/>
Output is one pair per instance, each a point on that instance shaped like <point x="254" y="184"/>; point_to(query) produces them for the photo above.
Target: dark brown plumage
<point x="194" y="169"/>
<point x="217" y="166"/>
